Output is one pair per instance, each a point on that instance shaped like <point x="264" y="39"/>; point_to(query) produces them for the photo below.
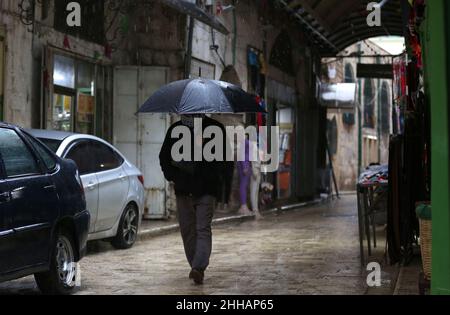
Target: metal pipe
<point x="337" y="58"/>
<point x="215" y="48"/>
<point x="188" y="62"/>
<point x="360" y="113"/>
<point x="235" y="30"/>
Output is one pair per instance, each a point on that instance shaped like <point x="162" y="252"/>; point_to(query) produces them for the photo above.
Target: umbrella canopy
<point x="199" y="96"/>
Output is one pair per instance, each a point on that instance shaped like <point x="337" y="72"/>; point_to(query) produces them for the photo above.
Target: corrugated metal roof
<point x="336" y="24"/>
<point x="190" y="8"/>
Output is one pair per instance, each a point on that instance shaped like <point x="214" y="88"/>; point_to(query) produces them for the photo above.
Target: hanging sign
<point x="375" y="71"/>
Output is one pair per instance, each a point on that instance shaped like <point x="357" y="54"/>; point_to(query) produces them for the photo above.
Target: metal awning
<point x="336" y="24"/>
<point x="191" y="9"/>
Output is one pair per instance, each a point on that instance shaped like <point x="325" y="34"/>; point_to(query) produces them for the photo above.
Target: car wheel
<point x="61" y="278"/>
<point x="128" y="229"/>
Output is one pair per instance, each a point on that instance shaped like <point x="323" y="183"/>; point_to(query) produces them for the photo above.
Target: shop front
<point x="285" y="119"/>
<point x="282" y="113"/>
<point x="78" y="93"/>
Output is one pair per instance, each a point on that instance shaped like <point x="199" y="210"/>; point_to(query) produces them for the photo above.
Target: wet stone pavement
<point x="307" y="251"/>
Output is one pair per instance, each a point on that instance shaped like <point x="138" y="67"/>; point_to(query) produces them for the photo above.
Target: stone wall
<point x="157" y="36"/>
<point x="18" y="70"/>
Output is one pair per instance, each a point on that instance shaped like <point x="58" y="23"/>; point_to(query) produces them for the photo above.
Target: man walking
<point x="197" y="185"/>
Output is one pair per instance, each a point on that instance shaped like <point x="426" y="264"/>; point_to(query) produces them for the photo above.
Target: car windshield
<point x="51" y="143"/>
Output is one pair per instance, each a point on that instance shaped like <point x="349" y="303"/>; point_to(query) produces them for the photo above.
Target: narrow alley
<point x="306" y="251"/>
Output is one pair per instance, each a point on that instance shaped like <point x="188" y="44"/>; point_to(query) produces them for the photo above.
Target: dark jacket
<point x="194" y="178"/>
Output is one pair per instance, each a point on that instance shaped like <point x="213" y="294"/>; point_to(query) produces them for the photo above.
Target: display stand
<point x="369" y="205"/>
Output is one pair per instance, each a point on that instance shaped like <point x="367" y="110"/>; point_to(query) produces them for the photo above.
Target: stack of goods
<point x="375" y="174"/>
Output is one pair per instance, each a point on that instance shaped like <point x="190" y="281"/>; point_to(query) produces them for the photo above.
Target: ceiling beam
<point x="310" y="11"/>
<point x="307" y="24"/>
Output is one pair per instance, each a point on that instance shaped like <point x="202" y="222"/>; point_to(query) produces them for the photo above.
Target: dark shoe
<point x="197" y="276"/>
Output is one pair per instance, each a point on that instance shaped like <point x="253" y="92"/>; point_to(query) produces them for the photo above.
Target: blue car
<point x="44" y="223"/>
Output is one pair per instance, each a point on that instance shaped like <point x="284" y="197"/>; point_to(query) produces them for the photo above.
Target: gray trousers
<point x="195" y="218"/>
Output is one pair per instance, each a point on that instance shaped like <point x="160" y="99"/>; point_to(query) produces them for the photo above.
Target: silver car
<point x="113" y="186"/>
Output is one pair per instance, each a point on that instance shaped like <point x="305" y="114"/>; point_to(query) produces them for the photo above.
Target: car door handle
<point x="17" y="193"/>
<point x="91" y="186"/>
<point x="50" y="187"/>
<point x="122" y="177"/>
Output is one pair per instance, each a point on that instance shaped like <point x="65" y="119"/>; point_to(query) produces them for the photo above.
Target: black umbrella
<point x="200" y="96"/>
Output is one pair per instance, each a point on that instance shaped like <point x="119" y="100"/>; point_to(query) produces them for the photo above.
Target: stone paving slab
<point x="153" y="228"/>
<point x="314" y="250"/>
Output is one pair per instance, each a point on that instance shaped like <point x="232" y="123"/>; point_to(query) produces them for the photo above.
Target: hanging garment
<point x="253" y="62"/>
<point x="393" y="226"/>
<point x="413" y="181"/>
<point x="262" y="64"/>
<point x="260" y="117"/>
<point x="407" y="186"/>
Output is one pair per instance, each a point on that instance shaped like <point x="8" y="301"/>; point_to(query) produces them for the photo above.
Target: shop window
<point x="281" y="56"/>
<point x="369" y="104"/>
<point x="349" y="77"/>
<point x="92" y="23"/>
<point x="64" y="71"/>
<point x="385" y="109"/>
<point x="62" y="109"/>
<point x="78" y="96"/>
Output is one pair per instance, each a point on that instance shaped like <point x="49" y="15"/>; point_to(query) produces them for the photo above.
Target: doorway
<point x="285" y="119"/>
<point x="140" y="137"/>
